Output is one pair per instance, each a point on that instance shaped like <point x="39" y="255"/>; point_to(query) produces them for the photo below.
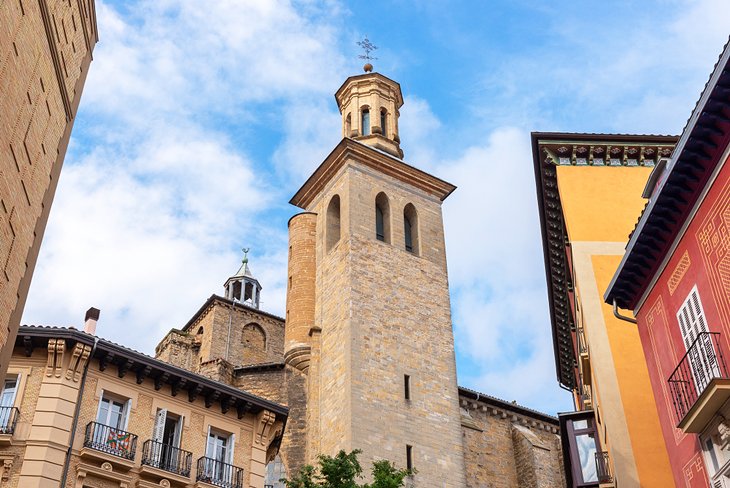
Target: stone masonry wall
<point x="505" y="449"/>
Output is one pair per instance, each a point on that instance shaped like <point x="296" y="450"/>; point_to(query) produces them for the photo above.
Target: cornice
<point x="384" y="163"/>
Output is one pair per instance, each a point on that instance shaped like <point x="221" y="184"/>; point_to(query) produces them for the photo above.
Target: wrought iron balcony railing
<point x="218" y="473"/>
<point x="110" y="440"/>
<point x="702" y="363"/>
<point x="603" y="467"/>
<point x="166" y="457"/>
<point x="8" y="419"/>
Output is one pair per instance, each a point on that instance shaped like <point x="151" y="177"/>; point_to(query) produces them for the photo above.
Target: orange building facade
<point x="589" y="194"/>
<point x="675" y="277"/>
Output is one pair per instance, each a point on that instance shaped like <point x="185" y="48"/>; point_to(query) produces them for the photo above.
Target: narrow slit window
<point x="407" y="386"/>
<point x="365" y="122"/>
<point x="409" y="457"/>
<point x="384" y="122"/>
<point x="410" y="229"/>
<point x="382" y="218"/>
<point x="379" y="228"/>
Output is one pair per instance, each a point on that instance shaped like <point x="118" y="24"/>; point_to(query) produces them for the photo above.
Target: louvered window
<point x="693" y="324"/>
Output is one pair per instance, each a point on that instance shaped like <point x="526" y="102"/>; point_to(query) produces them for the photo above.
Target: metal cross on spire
<point x="368" y="47"/>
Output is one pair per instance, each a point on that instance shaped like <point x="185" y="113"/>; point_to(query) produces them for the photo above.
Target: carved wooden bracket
<point x="55" y="357"/>
<point x="264" y="421"/>
<point x="79" y="357"/>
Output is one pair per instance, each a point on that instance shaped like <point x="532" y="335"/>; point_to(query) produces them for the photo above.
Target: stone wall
<point x="45" y="52"/>
<point x="384" y="313"/>
<point x="507" y="446"/>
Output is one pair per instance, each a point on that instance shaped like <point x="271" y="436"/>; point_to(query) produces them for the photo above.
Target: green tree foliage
<point x="343" y="470"/>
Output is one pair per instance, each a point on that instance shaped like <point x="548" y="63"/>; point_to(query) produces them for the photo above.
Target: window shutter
<point x="159" y="429"/>
<point x="232" y="442"/>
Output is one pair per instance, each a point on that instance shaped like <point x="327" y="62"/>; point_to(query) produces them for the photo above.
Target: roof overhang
<point x="552" y="149"/>
<point x="349" y="149"/>
<point x="128" y="361"/>
<point x="697" y="155"/>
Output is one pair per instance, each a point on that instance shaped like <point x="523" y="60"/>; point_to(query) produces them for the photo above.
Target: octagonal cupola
<point x="370" y="104"/>
<point x="243" y="287"/>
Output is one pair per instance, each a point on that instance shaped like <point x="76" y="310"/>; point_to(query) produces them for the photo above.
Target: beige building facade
<point x="45" y="53"/>
<point x="78" y="411"/>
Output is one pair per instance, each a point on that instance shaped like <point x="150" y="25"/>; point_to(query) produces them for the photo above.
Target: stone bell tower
<point x="366" y="259"/>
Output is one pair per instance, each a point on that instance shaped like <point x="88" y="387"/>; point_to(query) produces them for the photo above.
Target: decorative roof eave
<point x="551" y="149"/>
<point x="365" y="76"/>
<point x="142" y="366"/>
<point x="698" y="153"/>
<point x="383" y="162"/>
<point x="505" y="405"/>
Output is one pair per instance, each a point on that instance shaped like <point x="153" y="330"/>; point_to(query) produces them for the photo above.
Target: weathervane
<point x="245" y="254"/>
<point x="368" y="47"/>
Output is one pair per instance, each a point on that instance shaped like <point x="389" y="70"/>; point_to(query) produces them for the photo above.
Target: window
<point x="163" y="451"/>
<point x="407" y="386"/>
<point x="382" y="218"/>
<point x="112" y="412"/>
<point x="253" y="338"/>
<point x="218" y="467"/>
<point x="384" y="122"/>
<point x="365" y="121"/>
<point x="410" y="228"/>
<point x="693" y="327"/>
<point x="581" y="441"/>
<point x="10" y="388"/>
<point x="333" y="222"/>
<point x="348" y="125"/>
<point x="409" y="457"/>
<point x="8" y="414"/>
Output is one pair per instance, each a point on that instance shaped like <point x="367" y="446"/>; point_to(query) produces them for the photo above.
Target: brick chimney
<point x="92" y="315"/>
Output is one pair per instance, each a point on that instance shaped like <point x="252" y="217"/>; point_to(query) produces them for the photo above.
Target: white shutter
<point x="125" y="413"/>
<point x="159" y="429"/>
<point x="691" y="317"/>
<point x="210" y="447"/>
<point x="232" y="442"/>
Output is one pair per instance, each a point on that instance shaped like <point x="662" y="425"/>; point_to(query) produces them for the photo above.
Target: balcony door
<point x="166" y="434"/>
<point x="7" y="400"/>
<point x="697" y="341"/>
<point x="219" y="452"/>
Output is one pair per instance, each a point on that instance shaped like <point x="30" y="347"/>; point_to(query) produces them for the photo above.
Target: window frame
<point x="126" y="409"/>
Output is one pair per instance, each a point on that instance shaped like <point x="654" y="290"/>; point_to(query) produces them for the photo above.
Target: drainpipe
<point x="76" y="413"/>
<point x="619" y="316"/>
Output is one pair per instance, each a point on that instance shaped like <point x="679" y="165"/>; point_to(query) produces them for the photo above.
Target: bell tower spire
<point x="369" y="105"/>
<point x="242" y="286"/>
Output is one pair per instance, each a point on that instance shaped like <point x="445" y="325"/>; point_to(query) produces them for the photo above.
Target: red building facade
<point x="675" y="276"/>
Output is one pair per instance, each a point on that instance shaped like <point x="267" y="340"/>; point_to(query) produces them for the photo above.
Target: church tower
<point x="368" y="316"/>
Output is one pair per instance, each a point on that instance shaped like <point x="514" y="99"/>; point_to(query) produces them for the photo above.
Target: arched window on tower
<point x="410" y="228"/>
<point x="254" y="343"/>
<point x="382" y="218"/>
<point x="333" y="222"/>
<point x="348" y="125"/>
<point x="384" y="122"/>
<point x="365" y="121"/>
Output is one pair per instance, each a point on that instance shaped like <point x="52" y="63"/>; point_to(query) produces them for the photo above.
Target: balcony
<point x="700" y="384"/>
<point x="603" y="469"/>
<point x="109" y="444"/>
<point x="165" y="461"/>
<point x="8" y="419"/>
<point x="217" y="473"/>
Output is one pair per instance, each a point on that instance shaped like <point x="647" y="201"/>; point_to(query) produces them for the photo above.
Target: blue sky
<point x="199" y="120"/>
